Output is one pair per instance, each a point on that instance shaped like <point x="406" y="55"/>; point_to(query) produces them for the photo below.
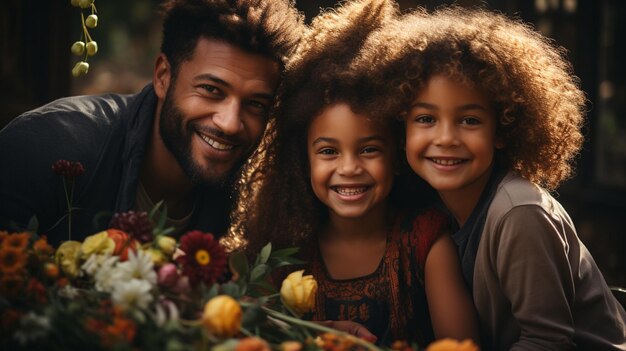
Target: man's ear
<point x="162" y="76"/>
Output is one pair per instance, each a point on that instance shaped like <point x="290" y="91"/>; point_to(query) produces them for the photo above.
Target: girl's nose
<point x="349" y="165"/>
<point x="446" y="135"/>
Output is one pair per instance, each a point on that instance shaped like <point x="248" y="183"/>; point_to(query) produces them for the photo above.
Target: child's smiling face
<point x="350" y="160"/>
<point x="451" y="136"/>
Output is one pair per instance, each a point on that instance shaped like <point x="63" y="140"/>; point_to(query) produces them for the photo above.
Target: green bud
<point x="78" y="48"/>
<point x="80" y="68"/>
<point x="74" y="2"/>
<point x="92" y="48"/>
<point x="85" y="3"/>
<point x="91" y="21"/>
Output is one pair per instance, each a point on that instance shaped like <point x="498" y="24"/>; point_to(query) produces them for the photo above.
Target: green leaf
<point x="290" y="251"/>
<point x="155" y="209"/>
<point x="231" y="289"/>
<point x="163" y="218"/>
<point x="259" y="272"/>
<point x="239" y="262"/>
<point x="266" y="251"/>
<point x="33" y="225"/>
<point x="263" y="287"/>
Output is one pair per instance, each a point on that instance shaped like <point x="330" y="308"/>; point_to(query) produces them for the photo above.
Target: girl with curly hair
<point x="328" y="184"/>
<point x="492" y="118"/>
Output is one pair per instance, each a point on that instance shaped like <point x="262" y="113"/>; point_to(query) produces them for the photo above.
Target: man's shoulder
<point x="97" y="110"/>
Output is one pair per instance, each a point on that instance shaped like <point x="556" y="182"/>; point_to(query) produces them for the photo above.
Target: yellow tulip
<point x="99" y="243"/>
<point x="298" y="292"/>
<point x="222" y="316"/>
<point x="452" y="345"/>
<point x="167" y="244"/>
<point x="67" y="257"/>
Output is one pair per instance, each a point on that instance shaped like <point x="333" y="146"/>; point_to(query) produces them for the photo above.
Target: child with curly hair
<point x="327" y="184"/>
<point x="493" y="123"/>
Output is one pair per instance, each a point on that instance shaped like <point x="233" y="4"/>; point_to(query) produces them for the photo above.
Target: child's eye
<point x="327" y="151"/>
<point x="370" y="149"/>
<point x="424" y="119"/>
<point x="470" y="121"/>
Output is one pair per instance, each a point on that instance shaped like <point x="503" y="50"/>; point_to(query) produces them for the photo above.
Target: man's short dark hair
<point x="268" y="27"/>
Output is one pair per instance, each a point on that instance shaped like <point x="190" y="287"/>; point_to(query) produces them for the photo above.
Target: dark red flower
<point x="204" y="259"/>
<point x="137" y="224"/>
<point x="68" y="169"/>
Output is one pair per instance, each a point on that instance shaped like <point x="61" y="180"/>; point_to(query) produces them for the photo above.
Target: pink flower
<point x="168" y="275"/>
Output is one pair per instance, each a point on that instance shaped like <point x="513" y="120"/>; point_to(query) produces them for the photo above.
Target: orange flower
<point x="452" y="345"/>
<point x="252" y="344"/>
<point x="222" y="316"/>
<point x="11" y="285"/>
<point x="3" y="235"/>
<point x="42" y="248"/>
<point x="123" y="243"/>
<point x="12" y="259"/>
<point x="16" y="240"/>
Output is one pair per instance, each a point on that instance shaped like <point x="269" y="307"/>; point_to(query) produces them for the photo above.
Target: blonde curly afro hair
<point x="539" y="104"/>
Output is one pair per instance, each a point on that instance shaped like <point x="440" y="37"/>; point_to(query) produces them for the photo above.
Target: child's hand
<point x="352" y="328"/>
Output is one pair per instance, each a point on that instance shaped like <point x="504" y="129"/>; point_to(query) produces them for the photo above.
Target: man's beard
<point x="178" y="141"/>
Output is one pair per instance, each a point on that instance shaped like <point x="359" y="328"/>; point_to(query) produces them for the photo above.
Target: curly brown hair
<point x="539" y="104"/>
<point x="276" y="203"/>
<point x="267" y="27"/>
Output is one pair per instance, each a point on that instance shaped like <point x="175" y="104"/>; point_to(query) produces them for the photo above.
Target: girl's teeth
<point x="446" y="162"/>
<point x="350" y="191"/>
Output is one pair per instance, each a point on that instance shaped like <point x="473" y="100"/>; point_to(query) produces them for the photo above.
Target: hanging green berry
<point x="86" y="46"/>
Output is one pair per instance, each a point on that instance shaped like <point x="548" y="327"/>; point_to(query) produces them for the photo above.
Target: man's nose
<point x="227" y="117"/>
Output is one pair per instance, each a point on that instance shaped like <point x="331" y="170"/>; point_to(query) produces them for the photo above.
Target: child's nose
<point x="349" y="165"/>
<point x="446" y="135"/>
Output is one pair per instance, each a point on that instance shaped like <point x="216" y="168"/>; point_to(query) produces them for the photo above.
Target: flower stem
<point x="68" y="200"/>
<point x="315" y="326"/>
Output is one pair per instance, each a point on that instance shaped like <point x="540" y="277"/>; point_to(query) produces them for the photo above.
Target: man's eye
<point x="213" y="90"/>
<point x="258" y="105"/>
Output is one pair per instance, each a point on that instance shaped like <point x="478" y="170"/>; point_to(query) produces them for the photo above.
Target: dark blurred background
<point x="35" y="65"/>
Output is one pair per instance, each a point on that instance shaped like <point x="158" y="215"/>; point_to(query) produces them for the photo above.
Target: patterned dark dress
<point x="390" y="302"/>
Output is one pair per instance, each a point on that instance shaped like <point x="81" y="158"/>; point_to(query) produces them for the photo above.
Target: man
<point x="181" y="139"/>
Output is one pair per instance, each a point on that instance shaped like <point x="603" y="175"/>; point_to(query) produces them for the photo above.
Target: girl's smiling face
<point x="351" y="161"/>
<point x="451" y="136"/>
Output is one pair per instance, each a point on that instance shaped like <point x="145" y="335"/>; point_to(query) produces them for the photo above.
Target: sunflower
<point x="16" y="240"/>
<point x="12" y="260"/>
<point x="204" y="259"/>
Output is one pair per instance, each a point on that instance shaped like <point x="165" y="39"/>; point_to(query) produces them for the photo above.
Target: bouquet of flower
<point x="136" y="287"/>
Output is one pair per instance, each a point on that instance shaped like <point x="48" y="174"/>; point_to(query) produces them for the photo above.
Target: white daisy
<point x="138" y="266"/>
<point x="133" y="293"/>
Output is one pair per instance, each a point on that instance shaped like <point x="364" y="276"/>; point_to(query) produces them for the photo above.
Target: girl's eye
<point x="424" y="119"/>
<point x="370" y="149"/>
<point x="326" y="151"/>
<point x="470" y="121"/>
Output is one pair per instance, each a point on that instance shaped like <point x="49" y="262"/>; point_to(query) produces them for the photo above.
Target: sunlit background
<point x="35" y="66"/>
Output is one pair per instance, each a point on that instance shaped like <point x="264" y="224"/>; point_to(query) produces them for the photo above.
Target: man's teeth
<point x="446" y="162"/>
<point x="350" y="191"/>
<point x="216" y="144"/>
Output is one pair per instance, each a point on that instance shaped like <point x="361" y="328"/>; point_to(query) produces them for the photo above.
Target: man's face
<point x="216" y="109"/>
